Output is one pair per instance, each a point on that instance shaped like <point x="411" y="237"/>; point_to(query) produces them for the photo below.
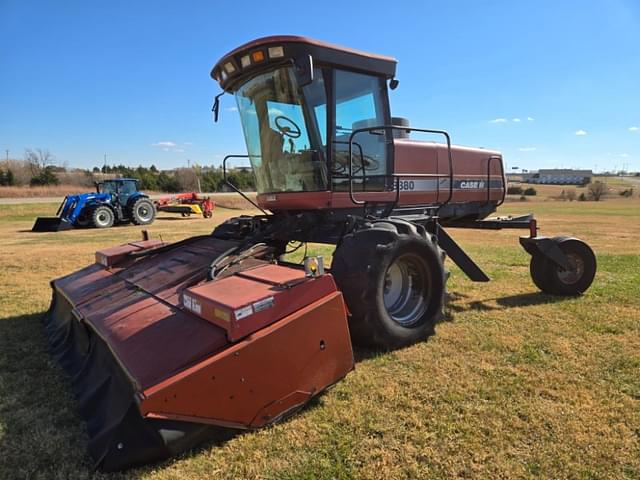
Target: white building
<point x="558" y="176"/>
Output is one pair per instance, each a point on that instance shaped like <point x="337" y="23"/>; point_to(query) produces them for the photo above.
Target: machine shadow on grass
<point x="43" y="435"/>
<point x="455" y="302"/>
<point x="41" y="431"/>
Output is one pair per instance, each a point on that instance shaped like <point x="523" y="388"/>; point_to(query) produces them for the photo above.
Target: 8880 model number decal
<point x="407" y="185"/>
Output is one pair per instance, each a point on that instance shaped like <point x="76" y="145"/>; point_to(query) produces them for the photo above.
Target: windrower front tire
<point x="393" y="280"/>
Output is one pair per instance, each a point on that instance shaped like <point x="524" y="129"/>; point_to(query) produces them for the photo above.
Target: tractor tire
<point x="143" y="212"/>
<point x="207" y="214"/>
<point x="102" y="217"/>
<point x="393" y="281"/>
<point x="84" y="219"/>
<point x="555" y="280"/>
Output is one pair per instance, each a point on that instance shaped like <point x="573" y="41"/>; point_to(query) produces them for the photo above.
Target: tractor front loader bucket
<point x="160" y="358"/>
<point x="51" y="224"/>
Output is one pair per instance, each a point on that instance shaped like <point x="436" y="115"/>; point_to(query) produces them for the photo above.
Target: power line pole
<point x="7" y="150"/>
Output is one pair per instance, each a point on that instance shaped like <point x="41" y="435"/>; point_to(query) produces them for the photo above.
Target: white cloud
<point x="625" y="155"/>
<point x="165" y="144"/>
<point x="169" y="146"/>
<point x="498" y="120"/>
<point x="581" y="133"/>
<point x="530" y="119"/>
<point x="527" y="149"/>
<point x="517" y="120"/>
<point x="634" y="129"/>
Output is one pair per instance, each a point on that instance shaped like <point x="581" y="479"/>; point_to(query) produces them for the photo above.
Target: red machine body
<point x="125" y="331"/>
<point x="478" y="177"/>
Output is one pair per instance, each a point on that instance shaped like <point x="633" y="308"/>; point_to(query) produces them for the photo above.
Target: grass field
<point x="515" y="384"/>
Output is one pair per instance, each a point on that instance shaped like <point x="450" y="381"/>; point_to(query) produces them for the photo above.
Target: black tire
<point x="365" y="266"/>
<point x="102" y="217"/>
<point x="207" y="214"/>
<point x="85" y="218"/>
<point x="538" y="269"/>
<point x="142" y="212"/>
<point x="553" y="279"/>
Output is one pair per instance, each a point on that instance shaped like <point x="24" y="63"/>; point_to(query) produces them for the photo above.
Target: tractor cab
<point x="120" y="189"/>
<point x="299" y="102"/>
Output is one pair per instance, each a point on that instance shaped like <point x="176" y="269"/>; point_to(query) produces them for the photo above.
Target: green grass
<point x="515" y="384"/>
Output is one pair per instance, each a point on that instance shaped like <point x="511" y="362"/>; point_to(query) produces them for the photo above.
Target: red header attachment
<point x="250" y="300"/>
<point x="108" y="257"/>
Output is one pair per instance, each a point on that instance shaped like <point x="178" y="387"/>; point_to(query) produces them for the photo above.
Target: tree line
<point x="37" y="169"/>
<point x="206" y="179"/>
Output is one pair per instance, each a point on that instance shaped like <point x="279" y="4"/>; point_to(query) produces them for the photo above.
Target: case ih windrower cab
<point x="167" y="343"/>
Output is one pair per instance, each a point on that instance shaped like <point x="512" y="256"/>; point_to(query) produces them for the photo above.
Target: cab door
<point x="360" y="101"/>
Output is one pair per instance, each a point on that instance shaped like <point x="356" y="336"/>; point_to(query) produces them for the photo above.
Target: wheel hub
<point x="103" y="218"/>
<point x="405" y="285"/>
<point x="144" y="213"/>
<point x="574" y="273"/>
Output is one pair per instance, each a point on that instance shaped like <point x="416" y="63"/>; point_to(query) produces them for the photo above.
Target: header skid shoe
<point x="153" y="378"/>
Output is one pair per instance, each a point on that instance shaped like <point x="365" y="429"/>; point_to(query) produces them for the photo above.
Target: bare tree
<point x="38" y="159"/>
<point x="571" y="195"/>
<point x="187" y="179"/>
<point x="597" y="189"/>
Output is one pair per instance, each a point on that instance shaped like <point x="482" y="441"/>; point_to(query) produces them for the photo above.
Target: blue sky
<point x="131" y="79"/>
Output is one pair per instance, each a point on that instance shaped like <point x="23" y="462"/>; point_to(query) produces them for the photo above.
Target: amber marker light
<point x="257" y="56"/>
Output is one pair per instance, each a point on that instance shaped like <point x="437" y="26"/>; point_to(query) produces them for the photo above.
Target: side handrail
<point x="232" y="186"/>
<point x="397" y="176"/>
<point x="504" y="180"/>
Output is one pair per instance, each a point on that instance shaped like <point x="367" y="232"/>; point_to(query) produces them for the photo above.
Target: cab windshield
<point x="285" y="129"/>
<point x="108" y="187"/>
<point x="126" y="188"/>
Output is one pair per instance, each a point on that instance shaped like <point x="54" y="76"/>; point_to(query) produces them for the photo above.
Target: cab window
<point x="359" y="103"/>
<point x="283" y="126"/>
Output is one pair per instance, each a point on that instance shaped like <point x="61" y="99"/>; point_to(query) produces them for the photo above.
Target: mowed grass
<point x="515" y="384"/>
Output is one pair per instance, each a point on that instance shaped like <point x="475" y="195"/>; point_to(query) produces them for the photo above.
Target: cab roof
<point x="119" y="180"/>
<point x="286" y="49"/>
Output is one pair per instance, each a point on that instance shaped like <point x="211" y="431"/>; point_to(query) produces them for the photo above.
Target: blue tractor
<point x="115" y="201"/>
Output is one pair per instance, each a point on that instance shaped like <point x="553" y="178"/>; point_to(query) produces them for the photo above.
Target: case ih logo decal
<point x="432" y="185"/>
<point x="474" y="184"/>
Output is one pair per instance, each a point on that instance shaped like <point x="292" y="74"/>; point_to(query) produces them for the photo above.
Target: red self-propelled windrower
<point x="169" y="344"/>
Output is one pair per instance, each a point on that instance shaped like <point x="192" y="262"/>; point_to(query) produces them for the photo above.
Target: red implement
<point x="153" y="378"/>
<point x="186" y="204"/>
